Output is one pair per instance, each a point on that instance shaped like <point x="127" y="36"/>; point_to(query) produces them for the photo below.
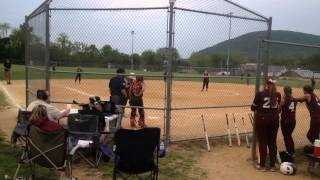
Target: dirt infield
<point x="185" y="123"/>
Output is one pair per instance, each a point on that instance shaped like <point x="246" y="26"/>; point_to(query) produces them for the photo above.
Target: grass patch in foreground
<point x="180" y="163"/>
<point x="9" y="163"/>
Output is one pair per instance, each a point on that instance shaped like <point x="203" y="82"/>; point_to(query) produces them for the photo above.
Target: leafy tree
<point x="4" y="28"/>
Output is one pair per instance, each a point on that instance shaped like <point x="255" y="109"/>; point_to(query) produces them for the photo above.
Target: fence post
<point x="26" y="58"/>
<point x="258" y="83"/>
<point x="169" y="75"/>
<point x="266" y="62"/>
<point x="47" y="46"/>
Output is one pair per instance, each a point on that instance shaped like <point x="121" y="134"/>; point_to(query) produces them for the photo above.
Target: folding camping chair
<point x="45" y="149"/>
<point x="84" y="134"/>
<point x="136" y="153"/>
<point x="18" y="136"/>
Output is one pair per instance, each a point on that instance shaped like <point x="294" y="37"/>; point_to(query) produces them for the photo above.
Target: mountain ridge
<point x="247" y="44"/>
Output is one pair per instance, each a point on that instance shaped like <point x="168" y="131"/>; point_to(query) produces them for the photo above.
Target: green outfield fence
<point x="104" y="35"/>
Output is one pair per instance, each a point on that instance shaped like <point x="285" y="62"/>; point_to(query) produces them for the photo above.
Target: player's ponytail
<point x="287" y="91"/>
<point x="273" y="94"/>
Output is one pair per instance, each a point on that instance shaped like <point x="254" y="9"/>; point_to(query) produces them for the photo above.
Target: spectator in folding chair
<point x="43" y="98"/>
<point x="48" y="150"/>
<point x="136" y="152"/>
<point x="39" y="118"/>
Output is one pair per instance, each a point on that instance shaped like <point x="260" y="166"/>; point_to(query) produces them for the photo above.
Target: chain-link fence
<point x="171" y="43"/>
<point x="36" y="49"/>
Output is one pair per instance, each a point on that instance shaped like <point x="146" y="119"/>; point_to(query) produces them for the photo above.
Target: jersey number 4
<point x="266" y="103"/>
<point x="291" y="107"/>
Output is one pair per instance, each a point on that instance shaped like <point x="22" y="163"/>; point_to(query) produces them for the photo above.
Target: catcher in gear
<point x="136" y="99"/>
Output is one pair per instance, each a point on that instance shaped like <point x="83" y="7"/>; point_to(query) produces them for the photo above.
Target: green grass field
<point x="18" y="73"/>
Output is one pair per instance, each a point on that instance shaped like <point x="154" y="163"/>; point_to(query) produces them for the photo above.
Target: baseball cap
<point x="271" y="81"/>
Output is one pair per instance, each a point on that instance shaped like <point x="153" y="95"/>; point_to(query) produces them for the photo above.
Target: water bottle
<point x="162" y="150"/>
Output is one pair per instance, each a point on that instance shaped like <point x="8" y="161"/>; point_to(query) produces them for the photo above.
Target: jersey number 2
<point x="266" y="104"/>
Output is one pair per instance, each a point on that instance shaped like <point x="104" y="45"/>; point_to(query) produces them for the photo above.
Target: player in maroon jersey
<point x="265" y="106"/>
<point x="205" y="83"/>
<point x="313" y="105"/>
<point x="288" y="118"/>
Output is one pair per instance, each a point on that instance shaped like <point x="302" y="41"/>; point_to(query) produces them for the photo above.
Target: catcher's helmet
<point x="288" y="168"/>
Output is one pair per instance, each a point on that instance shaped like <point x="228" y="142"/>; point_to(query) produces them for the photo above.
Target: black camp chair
<point x="136" y="153"/>
<point x="45" y="149"/>
<point x="84" y="127"/>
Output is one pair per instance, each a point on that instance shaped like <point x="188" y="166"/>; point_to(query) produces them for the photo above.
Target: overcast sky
<point x="294" y="15"/>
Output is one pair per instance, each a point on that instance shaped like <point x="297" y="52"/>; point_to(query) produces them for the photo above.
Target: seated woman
<point x="39" y="118"/>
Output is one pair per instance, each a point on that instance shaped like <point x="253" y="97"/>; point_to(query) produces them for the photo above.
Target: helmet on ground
<point x="287" y="168"/>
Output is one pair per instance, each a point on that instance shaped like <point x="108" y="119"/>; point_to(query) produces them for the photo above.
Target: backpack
<point x="136" y="88"/>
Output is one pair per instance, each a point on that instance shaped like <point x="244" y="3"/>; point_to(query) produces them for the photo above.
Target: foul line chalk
<point x="11" y="99"/>
<point x="153" y="117"/>
<point x="76" y="90"/>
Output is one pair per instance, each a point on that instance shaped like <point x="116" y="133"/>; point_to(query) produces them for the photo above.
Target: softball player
<point x="7" y="71"/>
<point x="313" y="82"/>
<point x="288" y="118"/>
<point x="205" y="83"/>
<point x="136" y="99"/>
<point x="313" y="105"/>
<point x="265" y="106"/>
<point x="78" y="76"/>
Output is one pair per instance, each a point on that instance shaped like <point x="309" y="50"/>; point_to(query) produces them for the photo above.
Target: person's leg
<point x="287" y="128"/>
<point x="133" y="114"/>
<point x="116" y="101"/>
<point x="141" y="113"/>
<point x="76" y="78"/>
<point x="133" y="117"/>
<point x="79" y="78"/>
<point x="9" y="76"/>
<point x="272" y="130"/>
<point x="314" y="129"/>
<point x="207" y="85"/>
<point x="203" y="85"/>
<point x="6" y="76"/>
<point x="262" y="139"/>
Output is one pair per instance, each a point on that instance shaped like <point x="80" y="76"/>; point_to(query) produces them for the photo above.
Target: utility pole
<point x="132" y="46"/>
<point x="229" y="43"/>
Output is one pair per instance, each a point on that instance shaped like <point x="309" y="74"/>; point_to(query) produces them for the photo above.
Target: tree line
<point x="65" y="52"/>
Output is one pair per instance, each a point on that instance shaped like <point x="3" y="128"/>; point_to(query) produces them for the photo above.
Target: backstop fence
<point x="170" y="43"/>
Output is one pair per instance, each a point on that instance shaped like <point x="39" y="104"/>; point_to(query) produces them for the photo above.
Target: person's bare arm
<point x="142" y="89"/>
<point x="304" y="98"/>
<point x="64" y="113"/>
<point x="281" y="104"/>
